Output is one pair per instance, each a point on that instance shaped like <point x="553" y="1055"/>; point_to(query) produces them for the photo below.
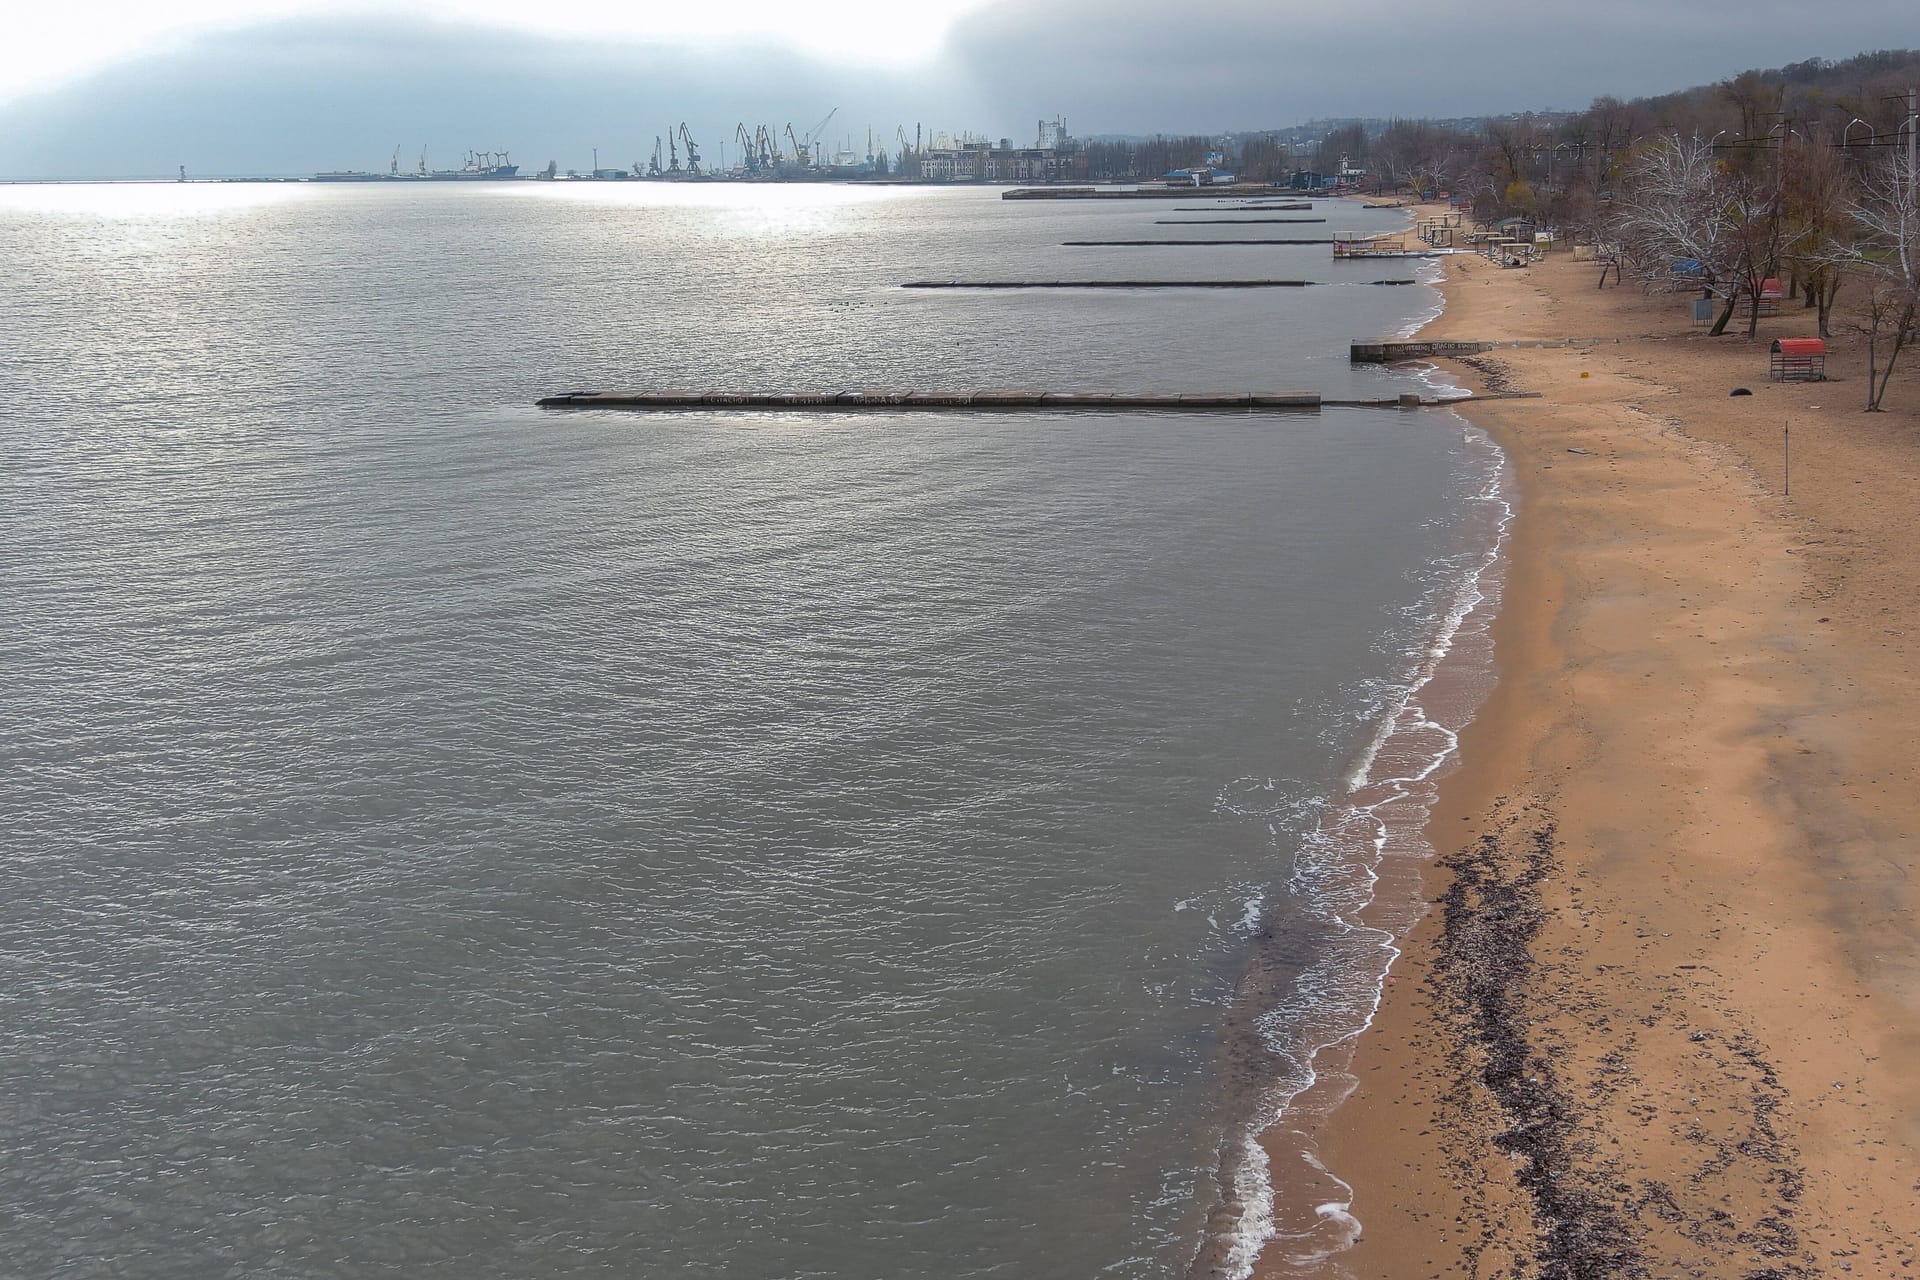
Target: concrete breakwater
<point x="1189" y="402"/>
<point x="1129" y="284"/>
<point x="1232" y="222"/>
<point x="1388" y="350"/>
<point x="1191" y="244"/>
<point x="1131" y="193"/>
<point x="993" y="400"/>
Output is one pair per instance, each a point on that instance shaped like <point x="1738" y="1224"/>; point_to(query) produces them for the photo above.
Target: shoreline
<point x="1354" y="866"/>
<point x="1655" y="1023"/>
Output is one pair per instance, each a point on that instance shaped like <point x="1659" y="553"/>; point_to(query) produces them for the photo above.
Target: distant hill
<point x="1824" y="90"/>
<point x="1815" y="88"/>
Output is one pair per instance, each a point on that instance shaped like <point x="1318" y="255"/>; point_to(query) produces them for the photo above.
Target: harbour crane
<point x="763" y="142"/>
<point x="673" y="151"/>
<point x="801" y="156"/>
<point x="748" y="148"/>
<point x="693" y="152"/>
<point x="393" y="165"/>
<point x="653" y="161"/>
<point x="817" y="132"/>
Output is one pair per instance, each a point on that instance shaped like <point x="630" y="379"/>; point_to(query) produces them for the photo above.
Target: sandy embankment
<point x="1666" y="1019"/>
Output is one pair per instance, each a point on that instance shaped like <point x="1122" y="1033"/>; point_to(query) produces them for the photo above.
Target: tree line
<point x="1800" y="173"/>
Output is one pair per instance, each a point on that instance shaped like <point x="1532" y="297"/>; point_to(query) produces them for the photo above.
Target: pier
<point x="1389" y="350"/>
<point x="1348" y="244"/>
<point x="1188" y="402"/>
<point x="1129" y="284"/>
<point x="1138" y="193"/>
<point x="1233" y="222"/>
<point x="1162" y="244"/>
<point x="997" y="401"/>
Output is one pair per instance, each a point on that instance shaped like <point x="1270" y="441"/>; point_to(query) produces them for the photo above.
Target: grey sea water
<point x="442" y="838"/>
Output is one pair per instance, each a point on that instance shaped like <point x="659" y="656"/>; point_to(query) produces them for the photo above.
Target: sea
<point x="445" y="837"/>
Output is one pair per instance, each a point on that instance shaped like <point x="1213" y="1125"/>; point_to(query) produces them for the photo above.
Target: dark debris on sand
<point x="1595" y="1216"/>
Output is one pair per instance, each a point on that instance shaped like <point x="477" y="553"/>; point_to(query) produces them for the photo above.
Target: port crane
<point x="813" y="136"/>
<point x="693" y="152"/>
<point x="748" y="149"/>
<point x="653" y="161"/>
<point x="673" y="151"/>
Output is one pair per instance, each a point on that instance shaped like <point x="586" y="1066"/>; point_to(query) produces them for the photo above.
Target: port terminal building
<point x="984" y="162"/>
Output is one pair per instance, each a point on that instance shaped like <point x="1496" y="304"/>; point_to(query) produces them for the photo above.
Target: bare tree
<point x="1509" y="147"/>
<point x="1881" y="316"/>
<point x="1684" y="204"/>
<point x="1818" y="191"/>
<point x="1675" y="209"/>
<point x="1761" y="235"/>
<point x="1887" y="256"/>
<point x="1755" y="98"/>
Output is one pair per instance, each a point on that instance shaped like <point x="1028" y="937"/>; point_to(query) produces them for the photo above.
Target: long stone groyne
<point x="1187" y="244"/>
<point x="1235" y="222"/>
<point x="1131" y="284"/>
<point x="1189" y="402"/>
<point x="996" y="400"/>
<point x="1389" y="350"/>
<point x="1150" y="193"/>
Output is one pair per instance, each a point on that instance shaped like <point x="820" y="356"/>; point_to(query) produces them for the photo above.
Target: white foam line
<point x="1466" y="600"/>
<point x="1433" y="271"/>
<point x="1253" y="1181"/>
<point x="1254" y="1185"/>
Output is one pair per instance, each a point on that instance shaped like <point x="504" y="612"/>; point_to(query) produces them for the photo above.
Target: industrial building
<point x="984" y="162"/>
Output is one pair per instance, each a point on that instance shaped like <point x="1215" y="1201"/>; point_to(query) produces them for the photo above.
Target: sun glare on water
<point x="137" y="200"/>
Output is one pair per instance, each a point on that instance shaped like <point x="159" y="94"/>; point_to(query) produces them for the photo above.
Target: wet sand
<point x="1664" y="1016"/>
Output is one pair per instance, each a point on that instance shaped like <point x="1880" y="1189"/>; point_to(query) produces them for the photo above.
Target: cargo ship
<point x="480" y="166"/>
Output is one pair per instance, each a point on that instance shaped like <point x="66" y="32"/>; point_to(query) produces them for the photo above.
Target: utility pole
<point x="1913" y="137"/>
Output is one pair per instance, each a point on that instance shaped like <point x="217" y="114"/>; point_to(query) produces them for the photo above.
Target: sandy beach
<point x="1663" y="1016"/>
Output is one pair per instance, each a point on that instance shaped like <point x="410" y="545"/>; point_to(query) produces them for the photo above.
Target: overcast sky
<point x="112" y="87"/>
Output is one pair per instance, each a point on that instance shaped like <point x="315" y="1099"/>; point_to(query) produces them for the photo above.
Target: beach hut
<point x="1798" y="360"/>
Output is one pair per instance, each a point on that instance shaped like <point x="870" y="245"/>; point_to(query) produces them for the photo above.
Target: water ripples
<point x="443" y="839"/>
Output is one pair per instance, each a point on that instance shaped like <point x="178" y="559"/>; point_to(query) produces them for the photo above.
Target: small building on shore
<point x="1204" y="175"/>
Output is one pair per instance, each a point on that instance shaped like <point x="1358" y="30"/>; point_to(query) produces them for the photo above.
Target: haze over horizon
<point x="246" y="89"/>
